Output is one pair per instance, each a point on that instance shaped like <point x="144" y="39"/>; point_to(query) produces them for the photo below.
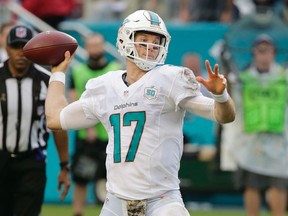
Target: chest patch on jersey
<point x="150" y="93"/>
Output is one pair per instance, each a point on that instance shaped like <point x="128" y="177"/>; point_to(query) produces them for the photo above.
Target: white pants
<point x="168" y="204"/>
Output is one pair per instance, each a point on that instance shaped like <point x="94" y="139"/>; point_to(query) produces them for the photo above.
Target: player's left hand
<point x="63" y="183"/>
<point x="215" y="83"/>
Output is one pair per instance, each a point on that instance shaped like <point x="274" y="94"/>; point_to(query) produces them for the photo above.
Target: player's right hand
<point x="64" y="65"/>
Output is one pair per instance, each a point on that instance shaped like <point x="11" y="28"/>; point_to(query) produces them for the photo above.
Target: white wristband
<point x="57" y="76"/>
<point x="221" y="98"/>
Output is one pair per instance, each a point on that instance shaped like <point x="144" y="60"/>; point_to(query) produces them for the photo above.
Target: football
<point x="48" y="47"/>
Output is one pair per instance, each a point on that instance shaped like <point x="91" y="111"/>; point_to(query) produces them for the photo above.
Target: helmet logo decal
<point x="154" y="19"/>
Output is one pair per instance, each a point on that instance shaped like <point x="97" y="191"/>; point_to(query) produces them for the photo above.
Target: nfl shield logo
<point x="126" y="93"/>
<point x="21" y="32"/>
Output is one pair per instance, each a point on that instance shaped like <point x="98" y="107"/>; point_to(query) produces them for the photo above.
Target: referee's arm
<point x="61" y="141"/>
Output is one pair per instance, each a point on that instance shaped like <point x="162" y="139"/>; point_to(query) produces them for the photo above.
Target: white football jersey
<point x="144" y="122"/>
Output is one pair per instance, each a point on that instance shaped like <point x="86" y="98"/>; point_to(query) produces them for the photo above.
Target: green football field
<point x="66" y="210"/>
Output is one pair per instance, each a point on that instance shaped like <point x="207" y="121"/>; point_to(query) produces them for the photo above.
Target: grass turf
<point x="91" y="210"/>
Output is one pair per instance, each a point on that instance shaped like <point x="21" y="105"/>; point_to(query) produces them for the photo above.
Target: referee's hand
<point x="63" y="183"/>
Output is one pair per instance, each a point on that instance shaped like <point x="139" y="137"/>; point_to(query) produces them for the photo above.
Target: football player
<point x="142" y="109"/>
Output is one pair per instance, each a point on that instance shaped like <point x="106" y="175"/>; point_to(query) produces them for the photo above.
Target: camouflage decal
<point x="136" y="207"/>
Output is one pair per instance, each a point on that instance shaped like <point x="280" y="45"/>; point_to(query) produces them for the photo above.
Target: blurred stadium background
<point x="205" y="186"/>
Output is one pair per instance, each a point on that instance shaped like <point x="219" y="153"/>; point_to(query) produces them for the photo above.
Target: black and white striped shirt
<point x="22" y="116"/>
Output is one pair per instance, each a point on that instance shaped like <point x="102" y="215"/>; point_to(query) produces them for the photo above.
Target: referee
<point x="23" y="132"/>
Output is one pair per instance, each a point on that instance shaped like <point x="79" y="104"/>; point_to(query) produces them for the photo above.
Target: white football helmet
<point x="146" y="21"/>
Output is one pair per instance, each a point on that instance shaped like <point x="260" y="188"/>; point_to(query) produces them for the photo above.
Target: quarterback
<point x="142" y="109"/>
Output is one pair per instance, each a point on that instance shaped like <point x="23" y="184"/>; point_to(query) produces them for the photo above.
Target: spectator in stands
<point x="252" y="7"/>
<point x="193" y="61"/>
<point x="284" y="12"/>
<point x="53" y="12"/>
<point x="88" y="163"/>
<point x="258" y="136"/>
<point x="115" y="10"/>
<point x="5" y="27"/>
<point x="206" y="11"/>
<point x="185" y="11"/>
<point x="106" y="10"/>
<point x="182" y="11"/>
<point x="167" y="9"/>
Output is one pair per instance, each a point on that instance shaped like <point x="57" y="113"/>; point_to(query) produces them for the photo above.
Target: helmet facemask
<point x="145" y="62"/>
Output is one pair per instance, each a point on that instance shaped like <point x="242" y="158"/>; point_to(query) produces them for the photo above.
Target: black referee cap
<point x="18" y="34"/>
